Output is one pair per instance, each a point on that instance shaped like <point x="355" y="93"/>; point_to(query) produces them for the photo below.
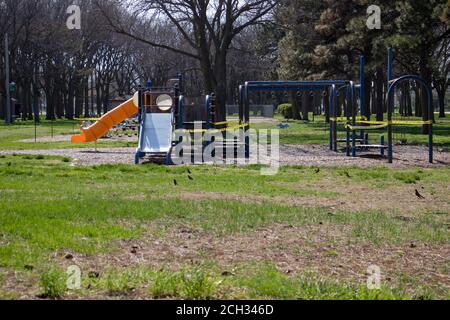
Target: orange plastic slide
<point x="105" y="123"/>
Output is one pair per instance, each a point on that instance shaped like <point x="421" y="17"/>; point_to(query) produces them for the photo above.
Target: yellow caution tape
<point x="381" y="126"/>
<point x="398" y="122"/>
<point x="345" y="119"/>
<point x="225" y="122"/>
<point x="220" y="123"/>
<point x="216" y="130"/>
<point x="410" y="123"/>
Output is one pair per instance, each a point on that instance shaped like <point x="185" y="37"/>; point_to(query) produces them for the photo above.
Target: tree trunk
<point x="98" y="97"/>
<point x="59" y="104"/>
<point x="295" y="106"/>
<point x="417" y="106"/>
<point x="69" y="103"/>
<point x="326" y="105"/>
<point x="379" y="84"/>
<point x="306" y="105"/>
<point x="87" y="111"/>
<point x="409" y="112"/>
<point x="402" y="109"/>
<point x="220" y="75"/>
<point x="92" y="92"/>
<point x="50" y="105"/>
<point x="367" y="96"/>
<point x="106" y="98"/>
<point x="441" y="98"/>
<point x="426" y="73"/>
<point x="78" y="97"/>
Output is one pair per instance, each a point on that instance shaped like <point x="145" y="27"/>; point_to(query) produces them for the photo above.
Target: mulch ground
<point x="305" y="155"/>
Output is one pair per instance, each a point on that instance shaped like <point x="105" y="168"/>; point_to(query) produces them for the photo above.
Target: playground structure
<point x="162" y="111"/>
<point x="353" y="112"/>
<point x="354" y="119"/>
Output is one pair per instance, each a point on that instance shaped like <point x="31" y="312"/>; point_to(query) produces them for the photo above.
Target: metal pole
<point x="430" y="130"/>
<point x="208" y="112"/>
<point x="389" y="106"/>
<point x="246" y="110"/>
<point x="347" y="114"/>
<point x="353" y="106"/>
<point x="331" y="113"/>
<point x="390" y="64"/>
<point x="362" y="98"/>
<point x="8" y="94"/>
<point x="241" y="104"/>
<point x="335" y="123"/>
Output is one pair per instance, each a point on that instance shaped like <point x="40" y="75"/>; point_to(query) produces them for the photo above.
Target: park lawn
<point x="317" y="132"/>
<point x="298" y="133"/>
<point x="295" y="235"/>
<point x="11" y="137"/>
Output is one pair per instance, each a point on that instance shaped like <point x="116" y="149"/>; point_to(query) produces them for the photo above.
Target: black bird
<point x="317" y="170"/>
<point x="189" y="171"/>
<point x="175" y="182"/>
<point x="190" y="178"/>
<point x="419" y="195"/>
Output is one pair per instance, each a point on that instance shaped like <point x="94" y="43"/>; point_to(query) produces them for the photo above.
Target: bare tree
<point x="206" y="29"/>
<point x="441" y="76"/>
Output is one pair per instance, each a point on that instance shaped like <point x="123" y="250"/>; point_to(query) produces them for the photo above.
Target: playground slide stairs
<point x="107" y="122"/>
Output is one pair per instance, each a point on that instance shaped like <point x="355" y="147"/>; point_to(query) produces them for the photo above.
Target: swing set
<point x="354" y="120"/>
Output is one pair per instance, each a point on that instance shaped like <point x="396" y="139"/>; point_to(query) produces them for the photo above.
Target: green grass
<point x="317" y="132"/>
<point x="48" y="205"/>
<point x="269" y="283"/>
<point x="11" y="136"/>
<point x="249" y="281"/>
<point x="299" y="132"/>
<point x="187" y="283"/>
<point x="53" y="283"/>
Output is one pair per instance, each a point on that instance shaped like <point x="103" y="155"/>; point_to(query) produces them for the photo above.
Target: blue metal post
<point x="241" y="104"/>
<point x="137" y="156"/>
<point x="362" y="98"/>
<point x="347" y="114"/>
<point x="353" y="109"/>
<point x="246" y="115"/>
<point x="181" y="112"/>
<point x="390" y="64"/>
<point x="430" y="129"/>
<point x="332" y="116"/>
<point x="180" y="79"/>
<point x="208" y="112"/>
<point x="390" y="107"/>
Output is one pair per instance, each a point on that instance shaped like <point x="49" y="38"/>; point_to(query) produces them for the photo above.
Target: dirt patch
<point x="323" y="249"/>
<point x="354" y="197"/>
<point x="359" y="197"/>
